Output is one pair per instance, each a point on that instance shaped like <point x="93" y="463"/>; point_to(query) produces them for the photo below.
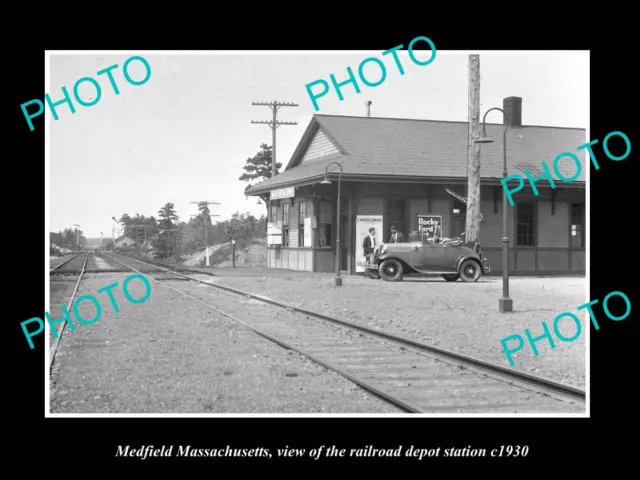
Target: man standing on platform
<point x="369" y="246"/>
<point x="396" y="236"/>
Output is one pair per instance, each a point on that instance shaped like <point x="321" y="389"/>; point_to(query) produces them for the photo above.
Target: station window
<point x="303" y="211"/>
<point x="324" y="223"/>
<point x="577" y="225"/>
<point x="285" y="225"/>
<point x="273" y="213"/>
<point x="525" y="228"/>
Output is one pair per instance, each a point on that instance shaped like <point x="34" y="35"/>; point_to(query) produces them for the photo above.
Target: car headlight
<point x="383" y="249"/>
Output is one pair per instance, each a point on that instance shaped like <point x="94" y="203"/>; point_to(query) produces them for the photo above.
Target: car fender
<point x="404" y="263"/>
<point x="462" y="258"/>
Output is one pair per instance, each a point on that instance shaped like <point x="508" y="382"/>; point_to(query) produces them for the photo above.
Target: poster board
<point x="363" y="223"/>
<point x="274" y="234"/>
<point x="430" y="225"/>
<point x="308" y="226"/>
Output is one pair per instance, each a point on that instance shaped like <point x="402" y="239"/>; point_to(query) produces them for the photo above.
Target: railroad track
<point x="68" y="267"/>
<point x="67" y="263"/>
<point x="413" y="376"/>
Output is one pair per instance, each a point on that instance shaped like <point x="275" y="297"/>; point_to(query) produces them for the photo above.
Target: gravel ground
<point x="60" y="291"/>
<point x="457" y="316"/>
<point x="172" y="355"/>
<point x="53" y="260"/>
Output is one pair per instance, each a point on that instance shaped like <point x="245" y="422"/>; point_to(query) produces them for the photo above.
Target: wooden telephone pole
<point x="206" y="229"/>
<point x="472" y="228"/>
<point x="275" y="105"/>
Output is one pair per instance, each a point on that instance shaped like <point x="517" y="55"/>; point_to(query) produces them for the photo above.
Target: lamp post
<point x="338" y="280"/>
<point x="505" y="303"/>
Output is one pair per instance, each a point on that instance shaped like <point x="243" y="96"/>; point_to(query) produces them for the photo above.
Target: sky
<point x="186" y="133"/>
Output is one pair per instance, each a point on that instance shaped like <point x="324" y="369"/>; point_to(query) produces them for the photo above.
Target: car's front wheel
<point x="391" y="270"/>
<point x="470" y="271"/>
<point x="451" y="277"/>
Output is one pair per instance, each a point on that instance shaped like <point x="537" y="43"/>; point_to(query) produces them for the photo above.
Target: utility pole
<point x="113" y="231"/>
<point x="275" y="105"/>
<point x="206" y="229"/>
<point x="472" y="228"/>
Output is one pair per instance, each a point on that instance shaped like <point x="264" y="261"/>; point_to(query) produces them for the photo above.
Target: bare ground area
<point x="457" y="316"/>
<point x="254" y="255"/>
<point x="173" y="355"/>
<point x="54" y="260"/>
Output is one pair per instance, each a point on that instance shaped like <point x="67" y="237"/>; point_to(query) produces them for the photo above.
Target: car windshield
<point x="422" y="237"/>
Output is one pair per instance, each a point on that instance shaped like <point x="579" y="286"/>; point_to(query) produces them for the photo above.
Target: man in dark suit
<point x="396" y="236"/>
<point x="369" y="246"/>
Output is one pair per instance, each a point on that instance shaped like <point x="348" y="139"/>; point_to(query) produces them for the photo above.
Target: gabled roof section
<point x="316" y="143"/>
<point x="392" y="147"/>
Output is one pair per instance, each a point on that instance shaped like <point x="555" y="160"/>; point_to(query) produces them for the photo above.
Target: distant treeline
<point x="68" y="238"/>
<point x="168" y="235"/>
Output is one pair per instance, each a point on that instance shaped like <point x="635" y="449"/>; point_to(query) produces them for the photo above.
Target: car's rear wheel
<point x="451" y="277"/>
<point x="391" y="270"/>
<point x="470" y="271"/>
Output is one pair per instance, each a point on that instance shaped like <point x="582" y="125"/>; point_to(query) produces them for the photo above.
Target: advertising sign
<point x="283" y="193"/>
<point x="430" y="225"/>
<point x="274" y="234"/>
<point x="363" y="224"/>
<point x="308" y="225"/>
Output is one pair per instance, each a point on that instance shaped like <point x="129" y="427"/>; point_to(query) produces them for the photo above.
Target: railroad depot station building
<point x="395" y="172"/>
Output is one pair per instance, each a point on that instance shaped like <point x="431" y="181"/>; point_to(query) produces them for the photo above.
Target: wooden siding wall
<point x="491" y="225"/>
<point x="291" y="259"/>
<point x="370" y="206"/>
<point x="550" y="255"/>
<point x="294" y="257"/>
<point x="553" y="230"/>
<point x="320" y="147"/>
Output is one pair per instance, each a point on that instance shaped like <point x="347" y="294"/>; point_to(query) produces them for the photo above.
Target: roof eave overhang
<point x="258" y="190"/>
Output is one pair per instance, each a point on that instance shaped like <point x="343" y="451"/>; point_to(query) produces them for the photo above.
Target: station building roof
<point x="388" y="149"/>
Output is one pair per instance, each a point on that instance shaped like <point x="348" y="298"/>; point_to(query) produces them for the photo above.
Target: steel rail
<point x="64" y="263"/>
<point x="357" y="380"/>
<point x="522" y="379"/>
<point x="56" y="341"/>
<point x="167" y="265"/>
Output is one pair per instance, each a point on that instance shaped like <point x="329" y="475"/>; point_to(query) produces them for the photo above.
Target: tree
<point x="258" y="167"/>
<point x="168" y="215"/>
<point x="126" y="220"/>
<point x="164" y="241"/>
<point x="241" y="227"/>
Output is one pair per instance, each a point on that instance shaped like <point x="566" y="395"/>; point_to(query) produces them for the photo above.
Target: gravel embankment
<point x="60" y="291"/>
<point x="457" y="316"/>
<point x="173" y="355"/>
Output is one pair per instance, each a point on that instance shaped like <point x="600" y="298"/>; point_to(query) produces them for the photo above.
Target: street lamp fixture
<point x="337" y="281"/>
<point x="505" y="303"/>
<point x="483" y="138"/>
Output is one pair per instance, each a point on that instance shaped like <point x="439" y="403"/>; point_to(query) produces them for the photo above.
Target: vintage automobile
<point x="453" y="259"/>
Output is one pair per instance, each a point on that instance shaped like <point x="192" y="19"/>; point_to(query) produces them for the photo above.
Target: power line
<point x="274" y="124"/>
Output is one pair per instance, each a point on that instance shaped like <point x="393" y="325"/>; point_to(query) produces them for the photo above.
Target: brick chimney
<point x="512" y="107"/>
